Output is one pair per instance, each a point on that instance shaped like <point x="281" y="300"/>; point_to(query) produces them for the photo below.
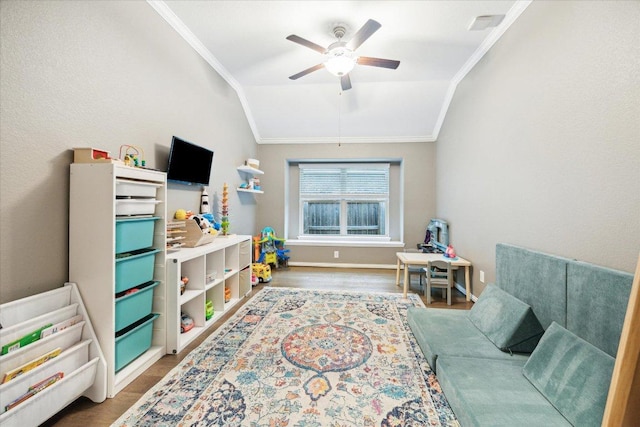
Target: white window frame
<point x="344" y="199"/>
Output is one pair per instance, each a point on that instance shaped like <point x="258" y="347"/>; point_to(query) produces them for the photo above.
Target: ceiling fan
<point x="340" y="57"/>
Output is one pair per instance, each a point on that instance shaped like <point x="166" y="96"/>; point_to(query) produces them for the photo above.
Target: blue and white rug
<point x="294" y="357"/>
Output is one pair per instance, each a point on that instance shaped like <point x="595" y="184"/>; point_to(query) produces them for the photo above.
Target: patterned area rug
<point x="293" y="357"/>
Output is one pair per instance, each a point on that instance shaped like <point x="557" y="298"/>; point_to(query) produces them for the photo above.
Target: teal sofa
<point x="537" y="348"/>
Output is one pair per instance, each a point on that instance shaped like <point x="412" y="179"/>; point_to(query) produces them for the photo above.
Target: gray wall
<point x="541" y="144"/>
<point x="419" y="196"/>
<point x="98" y="74"/>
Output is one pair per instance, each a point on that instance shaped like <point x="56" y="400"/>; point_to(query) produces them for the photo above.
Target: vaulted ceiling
<point x="245" y="41"/>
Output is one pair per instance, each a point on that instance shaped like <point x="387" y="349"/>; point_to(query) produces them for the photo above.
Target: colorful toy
<point x="186" y="323"/>
<point x="208" y="312"/>
<point x="437" y="235"/>
<point x="450" y="252"/>
<point x="224" y="220"/>
<point x="262" y="272"/>
<point x="270" y="250"/>
<point x="132" y="156"/>
<point x="227" y="294"/>
<point x="184" y="280"/>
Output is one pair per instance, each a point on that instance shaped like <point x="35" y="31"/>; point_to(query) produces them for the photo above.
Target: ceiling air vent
<point x="483" y="22"/>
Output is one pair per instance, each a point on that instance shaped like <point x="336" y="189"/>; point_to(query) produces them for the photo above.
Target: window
<point x="344" y="200"/>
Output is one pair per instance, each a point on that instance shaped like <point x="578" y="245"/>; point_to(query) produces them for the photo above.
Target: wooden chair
<point x="440" y="278"/>
<point x="415" y="269"/>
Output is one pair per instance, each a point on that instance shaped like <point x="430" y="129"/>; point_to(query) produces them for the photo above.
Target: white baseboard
<point x="464" y="292"/>
<point x="341" y="265"/>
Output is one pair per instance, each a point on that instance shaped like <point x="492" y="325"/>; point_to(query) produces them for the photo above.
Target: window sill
<point x="344" y="243"/>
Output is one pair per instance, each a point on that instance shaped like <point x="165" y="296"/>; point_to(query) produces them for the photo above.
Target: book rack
<point x="44" y="376"/>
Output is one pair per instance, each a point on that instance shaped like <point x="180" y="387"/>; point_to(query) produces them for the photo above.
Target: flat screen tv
<point x="189" y="163"/>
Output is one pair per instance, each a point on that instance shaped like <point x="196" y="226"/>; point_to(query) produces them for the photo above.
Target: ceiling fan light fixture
<point x="340" y="61"/>
<point x="340" y="57"/>
<point x="339" y="65"/>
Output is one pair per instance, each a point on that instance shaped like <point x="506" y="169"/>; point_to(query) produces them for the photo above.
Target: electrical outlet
<point x="481" y="276"/>
<point x="336" y="254"/>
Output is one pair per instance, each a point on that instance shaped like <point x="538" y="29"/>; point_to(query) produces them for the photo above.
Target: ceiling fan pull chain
<point x="339" y="117"/>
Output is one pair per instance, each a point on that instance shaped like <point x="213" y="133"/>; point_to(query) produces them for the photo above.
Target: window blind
<point x="344" y="180"/>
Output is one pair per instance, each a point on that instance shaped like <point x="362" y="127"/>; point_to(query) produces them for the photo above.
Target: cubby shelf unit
<point x="225" y="262"/>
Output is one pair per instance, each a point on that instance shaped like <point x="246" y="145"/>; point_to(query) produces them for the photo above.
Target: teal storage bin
<point x="134" y="342"/>
<point x="135" y="269"/>
<point x="133" y="234"/>
<point x="133" y="307"/>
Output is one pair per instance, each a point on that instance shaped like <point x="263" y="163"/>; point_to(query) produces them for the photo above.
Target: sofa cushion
<point x="572" y="374"/>
<point x="441" y="331"/>
<point x="592" y="291"/>
<point x="506" y="321"/>
<point x="535" y="278"/>
<point x="494" y="393"/>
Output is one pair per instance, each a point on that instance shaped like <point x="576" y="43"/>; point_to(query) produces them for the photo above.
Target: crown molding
<point x="165" y="12"/>
<point x="349" y="140"/>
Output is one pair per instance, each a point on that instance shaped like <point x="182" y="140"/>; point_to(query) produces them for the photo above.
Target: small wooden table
<point x="419" y="258"/>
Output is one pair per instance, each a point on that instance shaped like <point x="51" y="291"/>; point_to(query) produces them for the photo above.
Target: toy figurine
<point x="450" y="252"/>
<point x="204" y="202"/>
<point x="184" y="280"/>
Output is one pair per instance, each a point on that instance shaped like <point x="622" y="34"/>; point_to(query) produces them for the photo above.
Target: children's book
<point x="34" y="389"/>
<point x="25" y="340"/>
<point x="60" y="326"/>
<point x="46" y="382"/>
<point x="30" y="365"/>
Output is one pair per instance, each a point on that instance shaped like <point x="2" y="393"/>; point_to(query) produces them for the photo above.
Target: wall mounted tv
<point x="189" y="163"/>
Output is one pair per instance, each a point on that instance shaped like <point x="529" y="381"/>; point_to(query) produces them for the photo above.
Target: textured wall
<point x="98" y="74"/>
<point x="541" y="144"/>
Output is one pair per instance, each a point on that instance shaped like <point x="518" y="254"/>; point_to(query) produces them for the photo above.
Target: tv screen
<point x="189" y="163"/>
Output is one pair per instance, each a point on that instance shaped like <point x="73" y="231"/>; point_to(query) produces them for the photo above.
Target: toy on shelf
<point x="184" y="280"/>
<point x="208" y="312"/>
<point x="224" y="220"/>
<point x="92" y="155"/>
<point x="227" y="294"/>
<point x="196" y="235"/>
<point x="186" y="323"/>
<point x="204" y="202"/>
<point x="196" y="230"/>
<point x="270" y="250"/>
<point x="133" y="156"/>
<point x="176" y="232"/>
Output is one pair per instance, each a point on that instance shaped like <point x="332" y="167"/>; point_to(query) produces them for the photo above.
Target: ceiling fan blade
<point x="363" y="34"/>
<point x="345" y="82"/>
<point x="378" y="62"/>
<point x="307" y="71"/>
<point x="306" y="43"/>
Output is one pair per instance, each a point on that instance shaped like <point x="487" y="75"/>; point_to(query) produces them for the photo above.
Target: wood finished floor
<point x="84" y="412"/>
